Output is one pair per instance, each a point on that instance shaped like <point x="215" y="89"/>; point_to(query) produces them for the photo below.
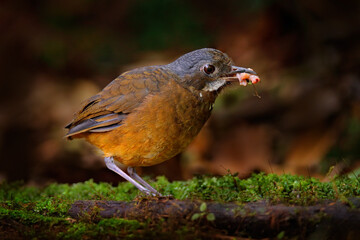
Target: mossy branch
<point x="258" y="219"/>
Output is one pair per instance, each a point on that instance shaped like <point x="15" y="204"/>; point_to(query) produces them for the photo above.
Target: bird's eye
<point x="208" y="68"/>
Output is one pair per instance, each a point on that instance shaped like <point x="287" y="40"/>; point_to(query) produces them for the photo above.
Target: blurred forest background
<point x="54" y="54"/>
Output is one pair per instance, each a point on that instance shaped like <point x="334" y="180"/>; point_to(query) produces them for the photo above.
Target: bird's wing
<point x="106" y="110"/>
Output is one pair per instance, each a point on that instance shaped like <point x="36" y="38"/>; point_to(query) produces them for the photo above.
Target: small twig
<point x="256" y="92"/>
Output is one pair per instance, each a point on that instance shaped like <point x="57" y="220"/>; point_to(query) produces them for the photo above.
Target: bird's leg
<point x="109" y="161"/>
<point x="134" y="175"/>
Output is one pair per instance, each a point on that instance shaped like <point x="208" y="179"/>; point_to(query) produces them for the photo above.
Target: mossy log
<point x="256" y="220"/>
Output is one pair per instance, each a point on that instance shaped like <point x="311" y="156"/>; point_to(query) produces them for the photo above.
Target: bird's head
<point x="207" y="69"/>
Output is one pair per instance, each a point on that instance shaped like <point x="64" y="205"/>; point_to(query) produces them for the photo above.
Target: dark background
<point x="54" y="54"/>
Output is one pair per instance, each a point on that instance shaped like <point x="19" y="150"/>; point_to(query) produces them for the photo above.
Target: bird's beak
<point x="243" y="75"/>
<point x="235" y="70"/>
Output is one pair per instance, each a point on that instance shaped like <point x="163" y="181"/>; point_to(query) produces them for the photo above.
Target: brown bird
<point x="150" y="114"/>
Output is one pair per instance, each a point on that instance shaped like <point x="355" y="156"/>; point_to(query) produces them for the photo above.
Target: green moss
<point x="104" y="228"/>
<point x="43" y="212"/>
<point x="275" y="188"/>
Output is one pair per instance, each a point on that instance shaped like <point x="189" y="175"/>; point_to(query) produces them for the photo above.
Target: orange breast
<point x="163" y="126"/>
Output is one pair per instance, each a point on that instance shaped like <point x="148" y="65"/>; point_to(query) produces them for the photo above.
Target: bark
<point x="333" y="220"/>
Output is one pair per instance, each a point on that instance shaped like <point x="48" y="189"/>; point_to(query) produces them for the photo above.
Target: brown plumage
<point x="150" y="114"/>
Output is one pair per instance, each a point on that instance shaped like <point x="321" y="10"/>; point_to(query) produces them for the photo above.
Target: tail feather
<point x="97" y="124"/>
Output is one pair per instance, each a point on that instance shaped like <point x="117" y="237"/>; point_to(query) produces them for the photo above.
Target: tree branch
<point x="256" y="220"/>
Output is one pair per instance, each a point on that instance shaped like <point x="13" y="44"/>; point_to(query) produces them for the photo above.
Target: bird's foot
<point x="149" y="189"/>
<point x="167" y="197"/>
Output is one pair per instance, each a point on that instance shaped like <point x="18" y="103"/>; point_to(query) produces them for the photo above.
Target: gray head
<point x="205" y="69"/>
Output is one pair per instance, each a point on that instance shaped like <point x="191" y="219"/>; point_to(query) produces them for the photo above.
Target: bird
<point x="150" y="114"/>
